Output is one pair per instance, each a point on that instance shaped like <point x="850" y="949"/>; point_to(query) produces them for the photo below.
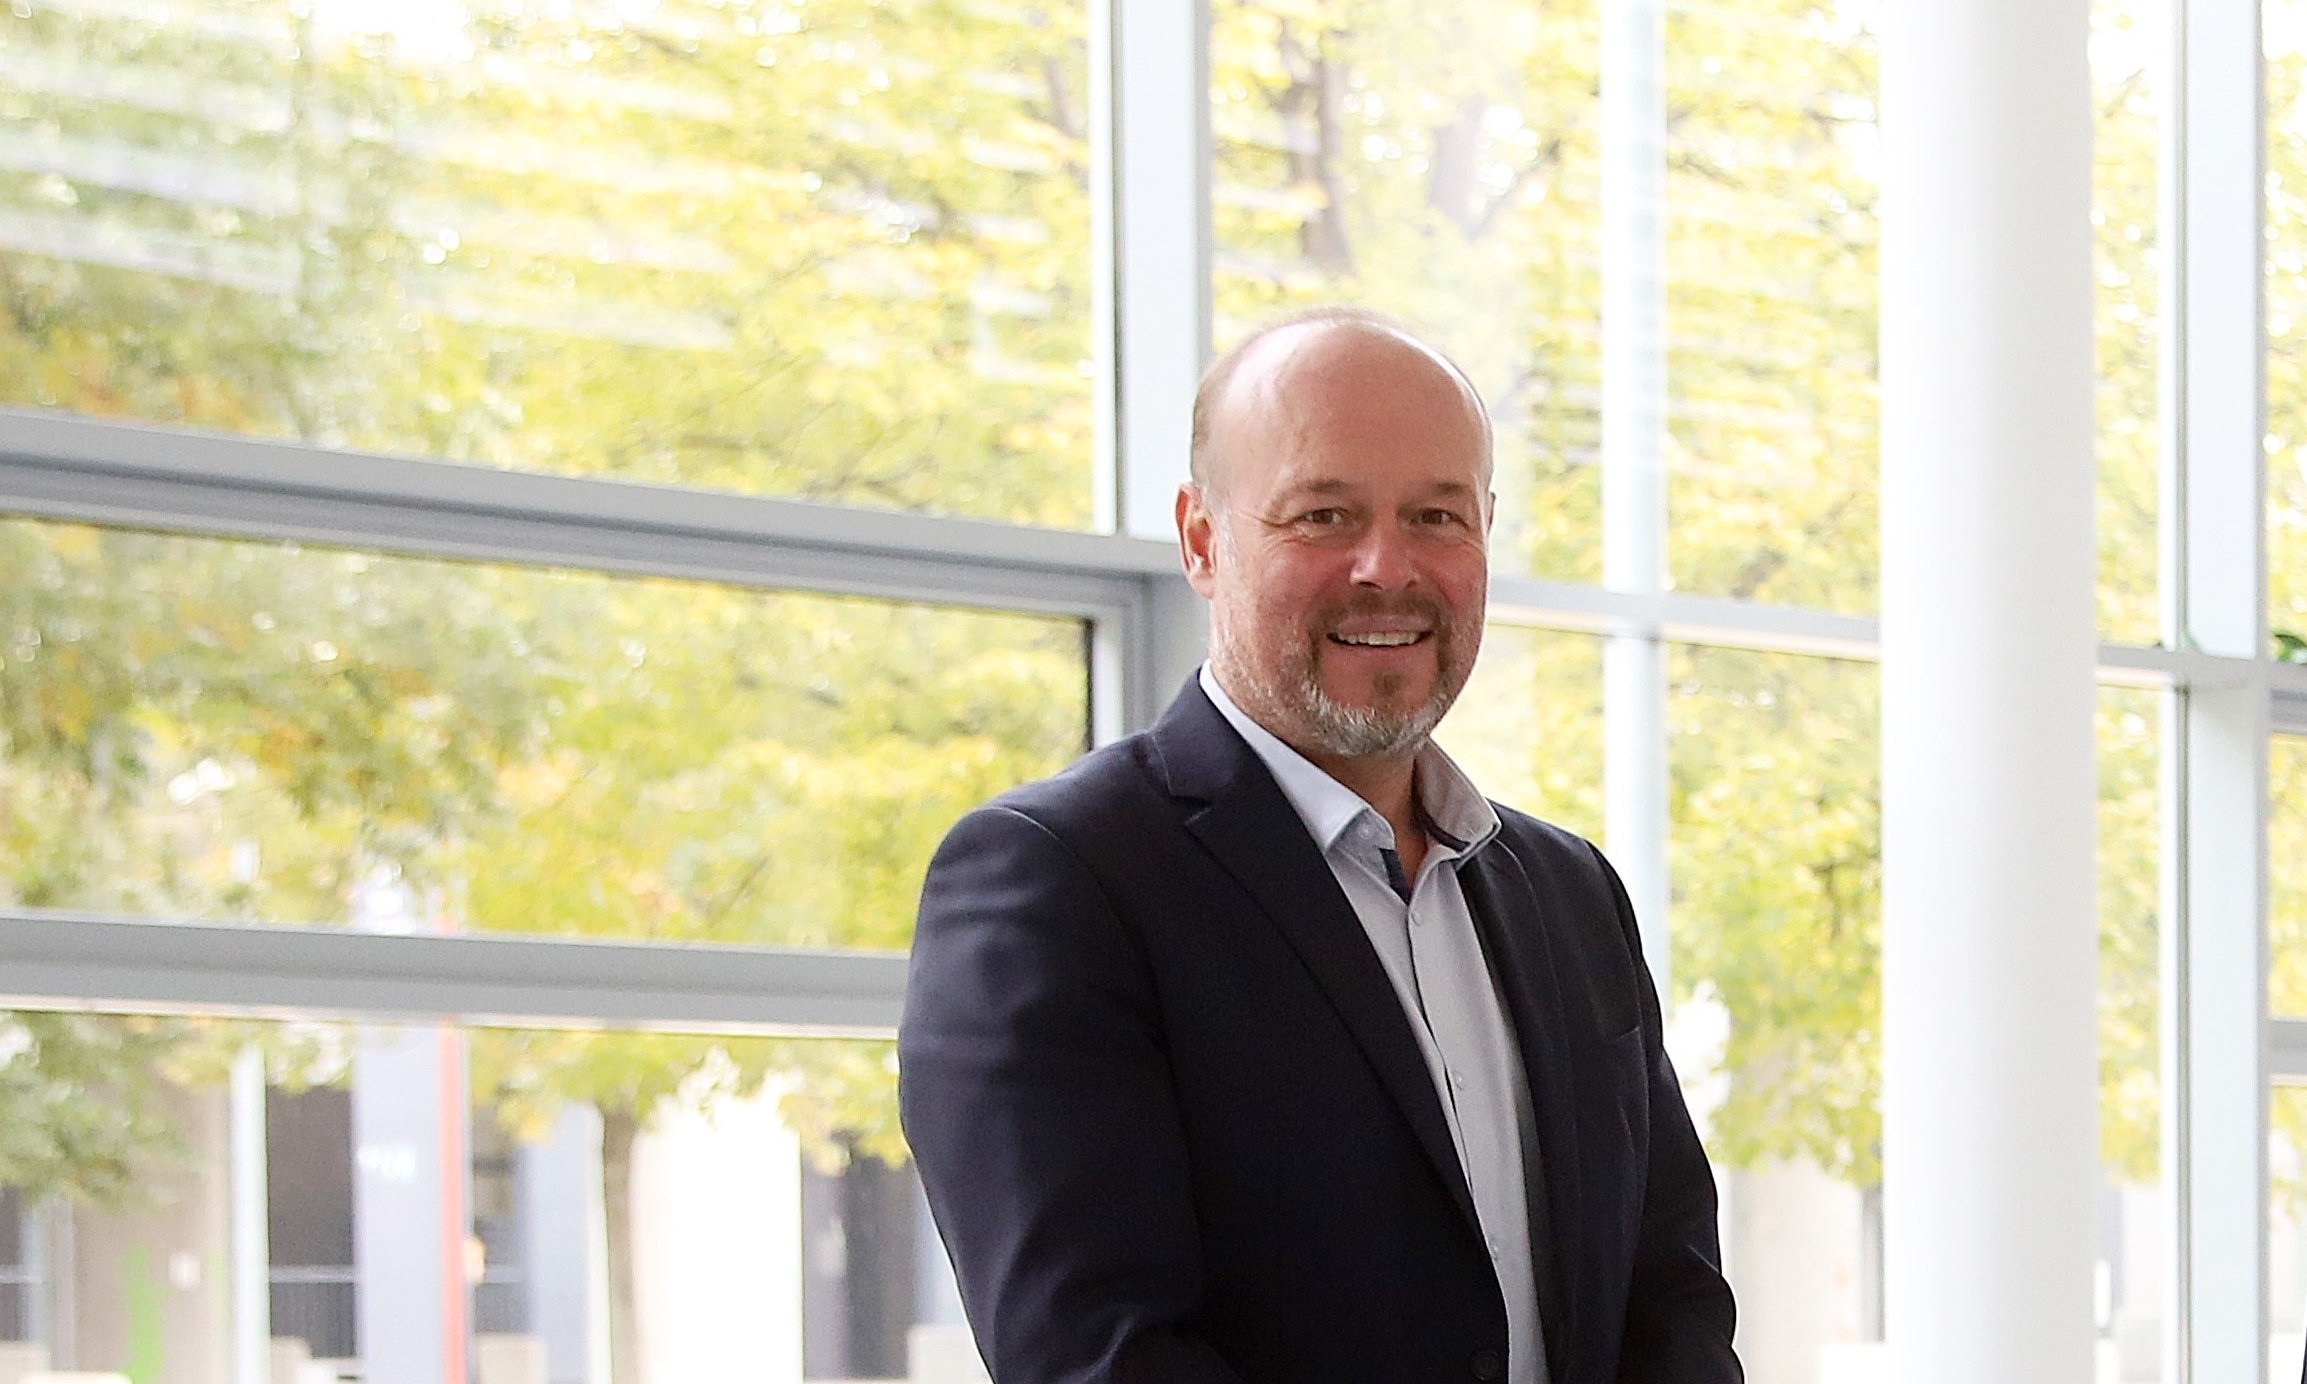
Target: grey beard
<point x="1352" y="732"/>
<point x="1347" y="732"/>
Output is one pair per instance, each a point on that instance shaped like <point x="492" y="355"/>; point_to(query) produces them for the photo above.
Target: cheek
<point x="1465" y="586"/>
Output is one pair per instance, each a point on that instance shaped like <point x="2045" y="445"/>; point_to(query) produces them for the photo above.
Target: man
<point x="1260" y="1048"/>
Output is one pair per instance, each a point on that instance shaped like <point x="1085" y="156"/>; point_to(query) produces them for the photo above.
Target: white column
<point x="2215" y="735"/>
<point x="1990" y="1082"/>
<point x="1633" y="453"/>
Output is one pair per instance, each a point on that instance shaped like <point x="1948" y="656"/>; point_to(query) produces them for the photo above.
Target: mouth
<point x="1382" y="639"/>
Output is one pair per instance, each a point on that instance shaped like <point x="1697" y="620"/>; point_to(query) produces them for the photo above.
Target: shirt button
<point x="1487" y="1365"/>
<point x="1457" y="1081"/>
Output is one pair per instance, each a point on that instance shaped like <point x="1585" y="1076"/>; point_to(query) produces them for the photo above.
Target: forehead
<point x="1333" y="406"/>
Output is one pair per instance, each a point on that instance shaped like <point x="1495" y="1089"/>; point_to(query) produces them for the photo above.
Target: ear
<point x="1197" y="539"/>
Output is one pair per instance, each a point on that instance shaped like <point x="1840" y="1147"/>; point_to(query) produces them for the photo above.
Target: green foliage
<point x="598" y="244"/>
<point x="1776" y="861"/>
<point x="77" y="1104"/>
<point x="2285" y="211"/>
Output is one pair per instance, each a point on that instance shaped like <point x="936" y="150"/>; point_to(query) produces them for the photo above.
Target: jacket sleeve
<point x="1035" y="1092"/>
<point x="1679" y="1313"/>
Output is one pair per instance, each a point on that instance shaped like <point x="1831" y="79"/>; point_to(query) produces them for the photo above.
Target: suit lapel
<point x="1247" y="824"/>
<point x="1511" y="919"/>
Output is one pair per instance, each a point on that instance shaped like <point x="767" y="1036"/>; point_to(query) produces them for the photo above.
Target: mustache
<point x="1416" y="607"/>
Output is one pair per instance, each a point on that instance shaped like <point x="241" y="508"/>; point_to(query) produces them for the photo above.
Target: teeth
<point x="1379" y="641"/>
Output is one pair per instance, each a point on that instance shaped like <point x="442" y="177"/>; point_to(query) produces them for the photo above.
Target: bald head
<point x="1293" y="363"/>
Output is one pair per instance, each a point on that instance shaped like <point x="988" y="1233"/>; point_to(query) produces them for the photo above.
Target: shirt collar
<point x="1456" y="813"/>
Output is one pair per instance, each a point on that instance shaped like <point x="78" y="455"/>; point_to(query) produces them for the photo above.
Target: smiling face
<point x="1340" y="536"/>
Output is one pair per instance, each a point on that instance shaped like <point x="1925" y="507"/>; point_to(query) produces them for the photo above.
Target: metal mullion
<point x="79" y="961"/>
<point x="1161" y="250"/>
<point x="2287" y="710"/>
<point x="2215" y="1038"/>
<point x="1154" y="248"/>
<point x="2287" y="1050"/>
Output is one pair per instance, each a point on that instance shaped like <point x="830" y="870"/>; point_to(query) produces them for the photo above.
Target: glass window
<point x="2285" y="37"/>
<point x="2287" y="875"/>
<point x="1528" y="727"/>
<point x="470" y="1203"/>
<point x="834" y="250"/>
<point x="2286" y="1230"/>
<point x="216" y="729"/>
<point x="1776" y="934"/>
<point x="1776" y="856"/>
<point x="2130" y="49"/>
<point x="2133" y="1258"/>
<point x="1436" y="161"/>
<point x="1770" y="263"/>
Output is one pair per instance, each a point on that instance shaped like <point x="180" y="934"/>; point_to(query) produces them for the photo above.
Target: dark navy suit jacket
<point x="1175" y="1128"/>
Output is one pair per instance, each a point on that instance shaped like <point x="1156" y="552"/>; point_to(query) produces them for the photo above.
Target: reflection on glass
<point x="835" y="250"/>
<point x="1436" y="161"/>
<point x="1776" y="856"/>
<point x="217" y="729"/>
<point x="2129" y="48"/>
<point x="2284" y="35"/>
<point x="2286" y="1230"/>
<point x="2287" y="875"/>
<point x="1528" y="727"/>
<point x="507" y="1206"/>
<point x="1776" y="853"/>
<point x="1770" y="245"/>
<point x="2132" y="1256"/>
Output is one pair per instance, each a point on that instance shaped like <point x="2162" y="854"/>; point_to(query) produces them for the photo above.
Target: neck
<point x="1389" y="785"/>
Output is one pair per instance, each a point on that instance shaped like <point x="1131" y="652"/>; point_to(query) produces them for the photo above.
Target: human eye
<point x="1441" y="516"/>
<point x="1326" y="517"/>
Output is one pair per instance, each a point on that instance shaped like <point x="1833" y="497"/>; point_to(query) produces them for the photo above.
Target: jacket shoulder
<point x="1535" y="837"/>
<point x="1081" y="803"/>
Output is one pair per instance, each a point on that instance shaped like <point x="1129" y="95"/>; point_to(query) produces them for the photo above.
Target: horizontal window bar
<point x="65" y="960"/>
<point x="1684" y="618"/>
<point x="2287" y="1050"/>
<point x="61" y="467"/>
<point x="2290" y="709"/>
<point x="66" y="467"/>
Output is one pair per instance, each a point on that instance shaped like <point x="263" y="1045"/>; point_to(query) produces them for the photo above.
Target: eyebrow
<point x="1440" y="489"/>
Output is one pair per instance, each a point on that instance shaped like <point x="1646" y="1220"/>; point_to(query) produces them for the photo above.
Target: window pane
<point x="1435" y="161"/>
<point x="1770" y="248"/>
<point x="1776" y="859"/>
<point x="1776" y="868"/>
<point x="2129" y="51"/>
<point x="2287" y="874"/>
<point x="526" y="1205"/>
<point x="836" y="251"/>
<point x="240" y="730"/>
<point x="2285" y="36"/>
<point x="2286" y="1230"/>
<point x="1528" y="727"/>
<point x="2133" y="1258"/>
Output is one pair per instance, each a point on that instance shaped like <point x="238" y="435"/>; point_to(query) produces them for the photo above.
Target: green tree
<point x="596" y="244"/>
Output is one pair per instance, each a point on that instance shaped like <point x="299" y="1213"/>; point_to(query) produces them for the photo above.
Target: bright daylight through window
<point x="630" y="473"/>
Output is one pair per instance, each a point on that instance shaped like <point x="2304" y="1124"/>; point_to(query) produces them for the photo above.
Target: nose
<point x="1382" y="559"/>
